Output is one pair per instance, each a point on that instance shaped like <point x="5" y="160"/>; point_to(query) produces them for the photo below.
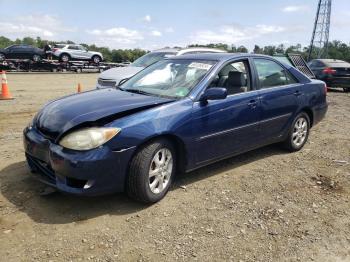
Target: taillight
<point x="329" y="71"/>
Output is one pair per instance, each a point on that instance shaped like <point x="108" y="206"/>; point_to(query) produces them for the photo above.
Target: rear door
<point x="16" y="52"/>
<point x="27" y="52"/>
<point x="74" y="51"/>
<point x="278" y="93"/>
<point x="228" y="126"/>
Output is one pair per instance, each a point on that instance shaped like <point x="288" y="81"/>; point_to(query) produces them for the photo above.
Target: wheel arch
<point x="177" y="142"/>
<point x="65" y="53"/>
<point x="310" y="114"/>
<point x="92" y="57"/>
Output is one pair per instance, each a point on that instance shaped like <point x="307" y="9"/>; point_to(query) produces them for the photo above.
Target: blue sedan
<point x="176" y="115"/>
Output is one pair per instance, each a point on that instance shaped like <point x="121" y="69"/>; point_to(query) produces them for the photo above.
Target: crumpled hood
<point x="119" y="73"/>
<point x="63" y="114"/>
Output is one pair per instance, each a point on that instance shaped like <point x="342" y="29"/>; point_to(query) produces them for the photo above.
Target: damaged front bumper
<point x="93" y="172"/>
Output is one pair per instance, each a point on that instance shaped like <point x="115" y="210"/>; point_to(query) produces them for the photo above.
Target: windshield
<point x="169" y="78"/>
<point x="151" y="58"/>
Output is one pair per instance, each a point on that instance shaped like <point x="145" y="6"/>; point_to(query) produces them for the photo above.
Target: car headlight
<point x="88" y="138"/>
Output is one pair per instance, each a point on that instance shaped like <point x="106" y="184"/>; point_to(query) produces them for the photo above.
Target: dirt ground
<point x="265" y="205"/>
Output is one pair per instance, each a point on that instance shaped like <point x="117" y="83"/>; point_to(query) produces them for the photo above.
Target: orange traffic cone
<point x="5" y="92"/>
<point x="79" y="88"/>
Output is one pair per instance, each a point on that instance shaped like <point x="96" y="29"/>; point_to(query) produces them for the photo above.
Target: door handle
<point x="297" y="93"/>
<point x="252" y="103"/>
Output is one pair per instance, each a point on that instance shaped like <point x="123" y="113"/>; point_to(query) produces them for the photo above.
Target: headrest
<point x="225" y="71"/>
<point x="236" y="79"/>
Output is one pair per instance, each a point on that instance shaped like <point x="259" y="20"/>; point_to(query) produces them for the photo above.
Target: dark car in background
<point x="22" y="52"/>
<point x="335" y="73"/>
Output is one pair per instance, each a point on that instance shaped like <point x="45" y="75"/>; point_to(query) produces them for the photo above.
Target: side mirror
<point x="214" y="93"/>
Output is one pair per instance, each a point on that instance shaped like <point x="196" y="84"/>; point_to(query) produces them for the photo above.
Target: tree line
<point x="114" y="55"/>
<point x="336" y="49"/>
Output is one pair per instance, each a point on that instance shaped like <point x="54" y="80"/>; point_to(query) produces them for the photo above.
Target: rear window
<point x="283" y="59"/>
<point x="59" y="46"/>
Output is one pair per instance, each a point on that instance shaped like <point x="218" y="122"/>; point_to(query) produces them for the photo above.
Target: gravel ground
<point x="265" y="205"/>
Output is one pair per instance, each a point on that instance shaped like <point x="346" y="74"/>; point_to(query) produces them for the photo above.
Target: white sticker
<point x="198" y="65"/>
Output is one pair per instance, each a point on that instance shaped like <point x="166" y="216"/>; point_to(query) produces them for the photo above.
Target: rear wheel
<point x="299" y="133"/>
<point x="346" y="89"/>
<point x="36" y="58"/>
<point x="151" y="172"/>
<point x="65" y="58"/>
<point x="2" y="57"/>
<point x="96" y="59"/>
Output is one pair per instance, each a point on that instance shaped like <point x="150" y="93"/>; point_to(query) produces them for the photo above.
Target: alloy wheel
<point x="36" y="58"/>
<point x="65" y="58"/>
<point x="96" y="59"/>
<point x="300" y="132"/>
<point x="160" y="170"/>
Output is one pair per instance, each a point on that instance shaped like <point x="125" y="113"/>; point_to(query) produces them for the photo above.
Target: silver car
<point x="112" y="77"/>
<point x="67" y="52"/>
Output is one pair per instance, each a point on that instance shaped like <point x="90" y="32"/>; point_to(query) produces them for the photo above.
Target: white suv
<point x="67" y="52"/>
<point x="112" y="77"/>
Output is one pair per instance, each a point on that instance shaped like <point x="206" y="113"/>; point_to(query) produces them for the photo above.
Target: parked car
<point x="113" y="76"/>
<point x="67" y="52"/>
<point x="335" y="73"/>
<point x="178" y="114"/>
<point x="22" y="52"/>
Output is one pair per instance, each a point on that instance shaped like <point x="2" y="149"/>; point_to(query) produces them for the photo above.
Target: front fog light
<point x="88" y="138"/>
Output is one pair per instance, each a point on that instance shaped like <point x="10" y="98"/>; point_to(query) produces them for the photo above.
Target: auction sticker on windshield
<point x="202" y="66"/>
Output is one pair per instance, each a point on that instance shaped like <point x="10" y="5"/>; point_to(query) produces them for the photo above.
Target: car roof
<point x="216" y="56"/>
<point x="326" y="61"/>
<point x="200" y="49"/>
<point x="182" y="51"/>
<point x="166" y="50"/>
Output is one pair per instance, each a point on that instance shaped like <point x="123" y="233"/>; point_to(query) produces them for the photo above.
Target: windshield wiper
<point x="137" y="91"/>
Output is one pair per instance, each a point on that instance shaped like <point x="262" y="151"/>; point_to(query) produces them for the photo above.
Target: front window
<point x="169" y="78"/>
<point x="151" y="58"/>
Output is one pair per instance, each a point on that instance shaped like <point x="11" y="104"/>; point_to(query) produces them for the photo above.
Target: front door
<point x="228" y="126"/>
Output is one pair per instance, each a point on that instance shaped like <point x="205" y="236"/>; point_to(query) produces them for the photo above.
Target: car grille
<point x="42" y="169"/>
<point x="106" y="82"/>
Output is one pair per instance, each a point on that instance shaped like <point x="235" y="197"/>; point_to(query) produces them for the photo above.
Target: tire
<point x="96" y="59"/>
<point x="64" y="58"/>
<point x="2" y="57"/>
<point x="346" y="89"/>
<point x="145" y="183"/>
<point x="36" y="58"/>
<point x="298" y="133"/>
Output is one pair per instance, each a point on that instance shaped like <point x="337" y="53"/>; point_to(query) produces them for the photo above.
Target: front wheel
<point x="2" y="57"/>
<point x="151" y="172"/>
<point x="299" y="133"/>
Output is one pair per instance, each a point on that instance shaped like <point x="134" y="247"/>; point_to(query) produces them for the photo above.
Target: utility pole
<point x="320" y="34"/>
